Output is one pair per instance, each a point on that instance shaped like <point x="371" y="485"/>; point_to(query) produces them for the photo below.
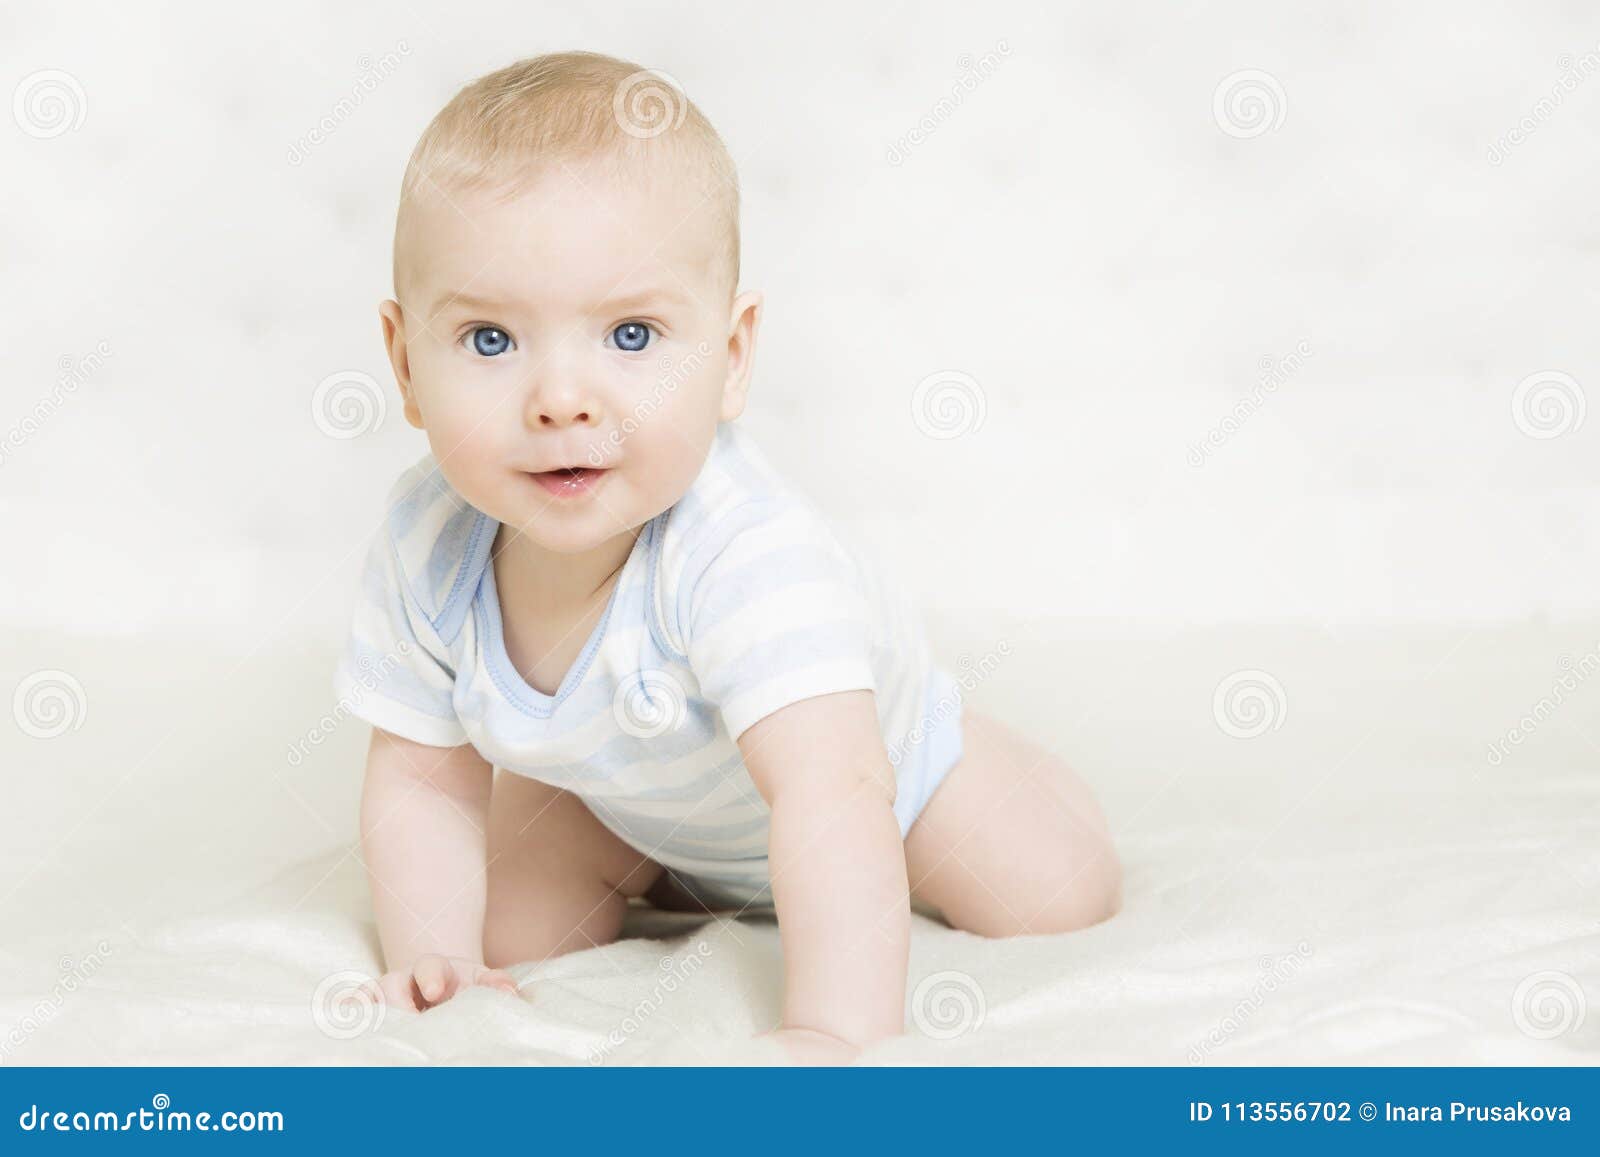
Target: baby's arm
<point x="838" y="866"/>
<point x="424" y="811"/>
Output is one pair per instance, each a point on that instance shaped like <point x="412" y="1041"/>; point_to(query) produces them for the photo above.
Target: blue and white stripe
<point x="735" y="602"/>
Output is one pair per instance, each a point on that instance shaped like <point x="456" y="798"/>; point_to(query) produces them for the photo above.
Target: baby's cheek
<point x="678" y="446"/>
<point x="461" y="415"/>
<point x="446" y="430"/>
<point x="465" y="448"/>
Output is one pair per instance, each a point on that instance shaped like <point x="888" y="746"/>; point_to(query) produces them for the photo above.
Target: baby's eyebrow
<point x="467" y="300"/>
<point x="649" y="295"/>
<point x="633" y="299"/>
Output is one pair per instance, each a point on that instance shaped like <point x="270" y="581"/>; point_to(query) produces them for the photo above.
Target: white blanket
<point x="1359" y="884"/>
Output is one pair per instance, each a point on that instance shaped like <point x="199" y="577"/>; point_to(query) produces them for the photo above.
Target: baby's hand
<point x="432" y="979"/>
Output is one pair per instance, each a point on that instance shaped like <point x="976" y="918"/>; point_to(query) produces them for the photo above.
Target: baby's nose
<point x="564" y="416"/>
<point x="557" y="407"/>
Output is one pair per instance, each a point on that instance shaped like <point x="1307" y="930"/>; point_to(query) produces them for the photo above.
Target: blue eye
<point x="489" y="341"/>
<point x="631" y="336"/>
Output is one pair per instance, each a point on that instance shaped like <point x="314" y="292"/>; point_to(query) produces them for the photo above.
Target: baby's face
<point x="569" y="351"/>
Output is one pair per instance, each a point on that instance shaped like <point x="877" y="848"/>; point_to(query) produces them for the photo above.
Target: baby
<point x="607" y="653"/>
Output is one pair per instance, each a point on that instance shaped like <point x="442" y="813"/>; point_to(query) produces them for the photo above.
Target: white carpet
<point x="1357" y="885"/>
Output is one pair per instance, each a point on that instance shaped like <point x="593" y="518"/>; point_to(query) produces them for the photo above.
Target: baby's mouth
<point x="569" y="481"/>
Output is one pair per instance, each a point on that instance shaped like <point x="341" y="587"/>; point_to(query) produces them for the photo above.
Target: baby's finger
<point x="497" y="978"/>
<point x="396" y="988"/>
<point x="434" y="978"/>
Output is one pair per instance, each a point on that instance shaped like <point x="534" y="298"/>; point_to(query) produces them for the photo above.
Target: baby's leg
<point x="1012" y="842"/>
<point x="558" y="880"/>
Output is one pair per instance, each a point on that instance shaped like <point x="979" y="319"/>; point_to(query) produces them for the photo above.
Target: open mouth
<point x="569" y="481"/>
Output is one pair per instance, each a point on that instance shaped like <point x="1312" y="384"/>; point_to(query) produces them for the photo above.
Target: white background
<point x="1080" y="236"/>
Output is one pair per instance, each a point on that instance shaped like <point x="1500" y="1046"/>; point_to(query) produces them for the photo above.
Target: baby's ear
<point x="394" y="340"/>
<point x="744" y="325"/>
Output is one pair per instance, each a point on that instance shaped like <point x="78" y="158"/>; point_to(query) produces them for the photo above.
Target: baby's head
<point x="566" y="263"/>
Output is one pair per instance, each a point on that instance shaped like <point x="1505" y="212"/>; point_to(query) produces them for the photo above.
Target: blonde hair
<point x="505" y="129"/>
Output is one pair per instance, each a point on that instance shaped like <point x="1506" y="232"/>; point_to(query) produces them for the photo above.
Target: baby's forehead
<point x="590" y="225"/>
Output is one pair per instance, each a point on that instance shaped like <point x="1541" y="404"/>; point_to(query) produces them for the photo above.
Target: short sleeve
<point x="776" y="614"/>
<point x="395" y="672"/>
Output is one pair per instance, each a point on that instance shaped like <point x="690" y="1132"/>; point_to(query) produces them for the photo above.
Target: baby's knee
<point x="539" y="928"/>
<point x="1093" y="895"/>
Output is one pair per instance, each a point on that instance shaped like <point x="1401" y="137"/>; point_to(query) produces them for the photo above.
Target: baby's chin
<point x="572" y="525"/>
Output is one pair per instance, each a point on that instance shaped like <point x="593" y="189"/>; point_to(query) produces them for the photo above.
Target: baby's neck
<point x="542" y="580"/>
